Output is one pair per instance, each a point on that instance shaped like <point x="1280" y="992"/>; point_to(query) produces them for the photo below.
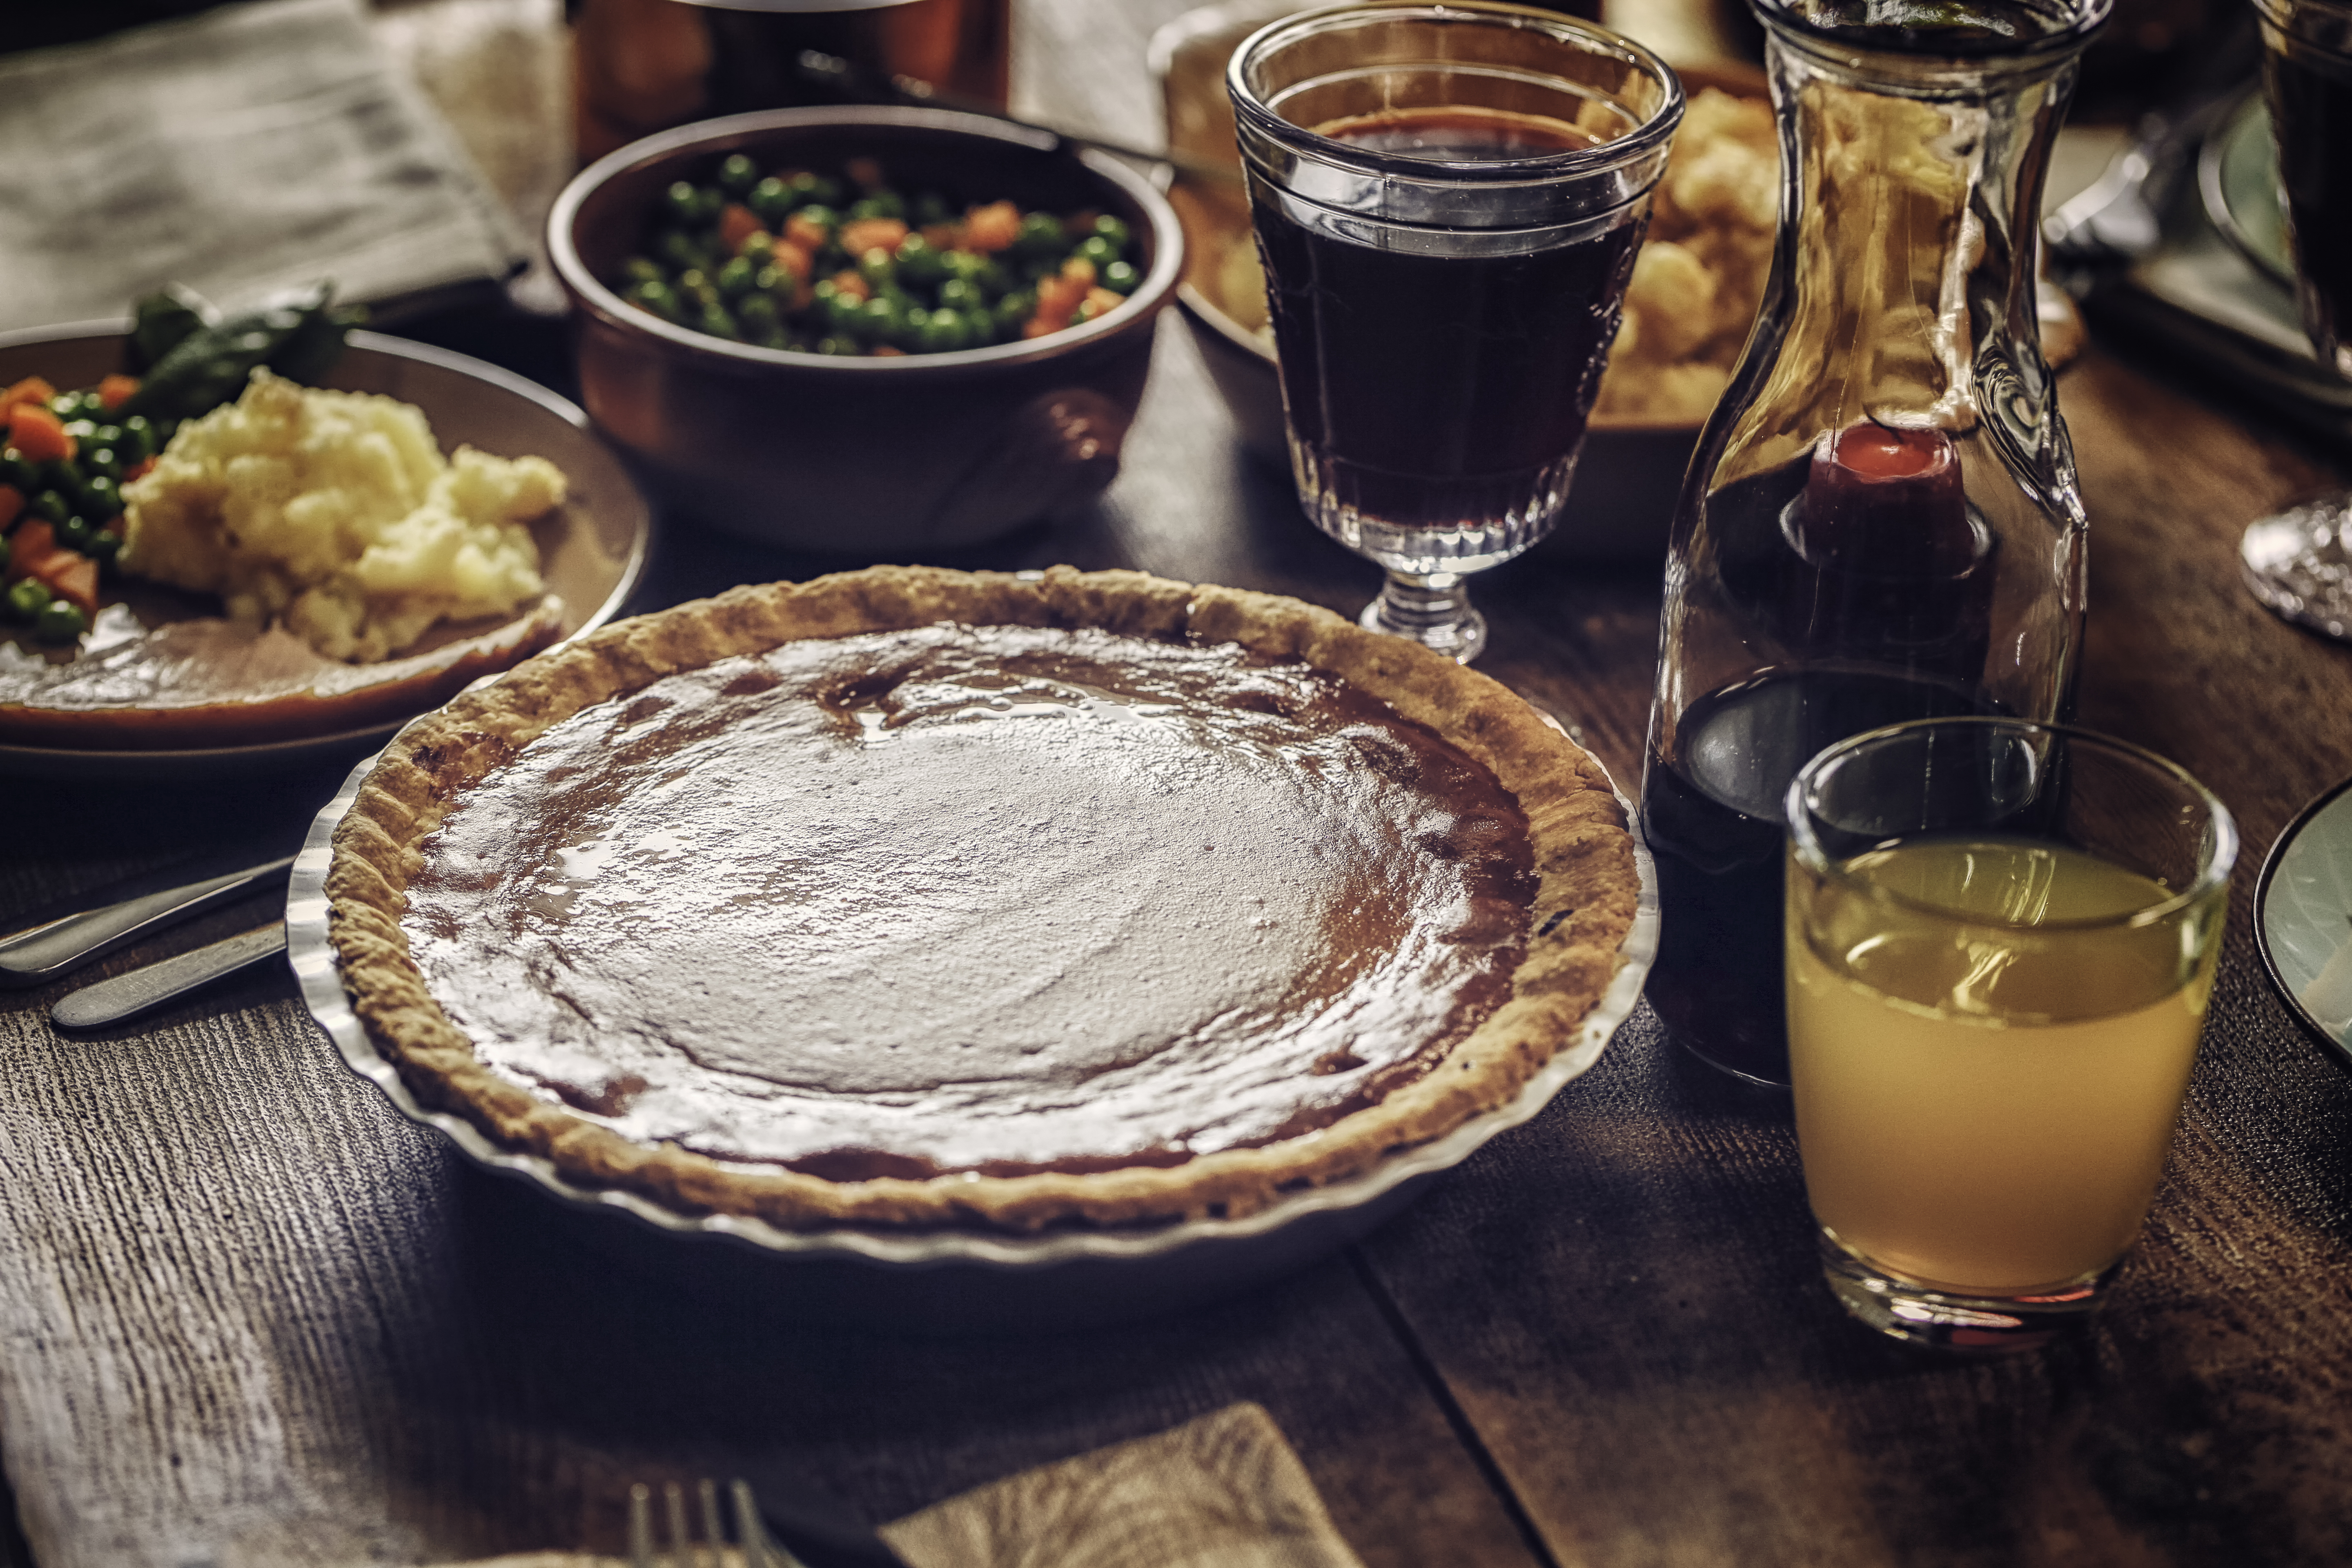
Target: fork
<point x="751" y="1535"/>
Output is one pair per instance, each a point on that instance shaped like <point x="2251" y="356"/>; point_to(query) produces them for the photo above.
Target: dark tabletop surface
<point x="249" y="1315"/>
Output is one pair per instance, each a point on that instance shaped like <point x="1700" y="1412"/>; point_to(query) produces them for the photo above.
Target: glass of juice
<point x="2001" y="936"/>
<point x="1447" y="200"/>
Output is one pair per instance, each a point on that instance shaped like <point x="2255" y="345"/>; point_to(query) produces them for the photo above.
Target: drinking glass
<point x="1447" y="200"/>
<point x="2001" y="936"/>
<point x="2299" y="563"/>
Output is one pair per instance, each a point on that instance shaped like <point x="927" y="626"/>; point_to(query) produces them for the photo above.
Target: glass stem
<point x="1433" y="609"/>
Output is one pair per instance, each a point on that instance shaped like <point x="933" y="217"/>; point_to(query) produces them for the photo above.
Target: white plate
<point x="2303" y="920"/>
<point x="1224" y="1254"/>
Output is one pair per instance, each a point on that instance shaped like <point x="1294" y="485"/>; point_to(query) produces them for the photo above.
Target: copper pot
<point x="881" y="457"/>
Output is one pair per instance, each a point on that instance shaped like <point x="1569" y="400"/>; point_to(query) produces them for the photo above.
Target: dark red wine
<point x="2311" y="112"/>
<point x="1712" y="814"/>
<point x="1435" y="385"/>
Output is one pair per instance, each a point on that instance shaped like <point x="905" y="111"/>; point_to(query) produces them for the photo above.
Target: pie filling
<point x="995" y="900"/>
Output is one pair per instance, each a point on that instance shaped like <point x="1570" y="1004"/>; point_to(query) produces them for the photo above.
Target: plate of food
<point x="241" y="544"/>
<point x="1373" y="911"/>
<point x="2303" y="921"/>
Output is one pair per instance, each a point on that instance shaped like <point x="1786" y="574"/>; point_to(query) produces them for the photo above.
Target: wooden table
<point x="249" y="1316"/>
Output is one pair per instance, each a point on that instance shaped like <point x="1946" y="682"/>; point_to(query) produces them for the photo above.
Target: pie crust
<point x="1586" y="891"/>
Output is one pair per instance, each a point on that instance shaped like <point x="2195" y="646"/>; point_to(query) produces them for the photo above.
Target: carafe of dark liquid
<point x="1882" y="520"/>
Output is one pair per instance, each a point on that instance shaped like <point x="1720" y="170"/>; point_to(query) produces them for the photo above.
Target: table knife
<point x="152" y="984"/>
<point x="67" y="933"/>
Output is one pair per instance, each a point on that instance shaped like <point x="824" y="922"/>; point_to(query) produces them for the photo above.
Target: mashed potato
<point x="1698" y="281"/>
<point x="334" y="513"/>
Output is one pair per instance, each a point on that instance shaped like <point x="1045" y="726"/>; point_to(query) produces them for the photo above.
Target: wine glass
<point x="1448" y="199"/>
<point x="2299" y="563"/>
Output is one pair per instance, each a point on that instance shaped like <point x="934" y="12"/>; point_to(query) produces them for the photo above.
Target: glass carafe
<point x="1882" y="520"/>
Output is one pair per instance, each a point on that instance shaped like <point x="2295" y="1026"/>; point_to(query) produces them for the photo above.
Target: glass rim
<point x="2284" y="15"/>
<point x="1933" y="43"/>
<point x="2213" y="875"/>
<point x="1645" y="138"/>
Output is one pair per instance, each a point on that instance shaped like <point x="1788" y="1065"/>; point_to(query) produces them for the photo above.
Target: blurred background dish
<point x="2303" y="921"/>
<point x="867" y="456"/>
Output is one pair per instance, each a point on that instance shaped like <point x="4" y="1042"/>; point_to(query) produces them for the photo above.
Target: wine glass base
<point x="2299" y="564"/>
<point x="1434" y="611"/>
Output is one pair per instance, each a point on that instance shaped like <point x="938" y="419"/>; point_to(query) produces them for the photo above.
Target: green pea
<point x="734" y="279"/>
<point x="1098" y="250"/>
<point x="738" y="174"/>
<point x="138" y="442"/>
<point x="101" y="498"/>
<point x="877" y="267"/>
<point x="27" y="599"/>
<point x="838" y="345"/>
<point x="772" y="280"/>
<point x="656" y="296"/>
<point x="640" y="269"/>
<point x="59" y="622"/>
<point x="71" y="406"/>
<point x="943" y="332"/>
<point x="883" y="319"/>
<point x="842" y="311"/>
<point x="982" y="327"/>
<point x="759" y="249"/>
<point x="83" y="431"/>
<point x="103" y="545"/>
<point x="878" y="204"/>
<point x="1014" y="311"/>
<point x="920" y="262"/>
<point x="757" y="315"/>
<point x="1114" y="230"/>
<point x="959" y="294"/>
<point x="816" y="189"/>
<point x="1040" y="235"/>
<point x="771" y="202"/>
<point x="103" y="462"/>
<point x="75" y="534"/>
<point x="1119" y="277"/>
<point x="817" y="212"/>
<point x="681" y="250"/>
<point x="683" y="202"/>
<point x="710" y="202"/>
<point x="965" y="264"/>
<point x="19" y="472"/>
<point x="52" y="505"/>
<point x="717" y="321"/>
<point x="930" y="207"/>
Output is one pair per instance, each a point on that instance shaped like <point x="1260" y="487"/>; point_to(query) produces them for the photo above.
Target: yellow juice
<point x="1987" y="1066"/>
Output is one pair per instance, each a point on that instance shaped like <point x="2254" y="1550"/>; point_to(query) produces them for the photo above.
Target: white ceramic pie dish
<point x="974" y="1280"/>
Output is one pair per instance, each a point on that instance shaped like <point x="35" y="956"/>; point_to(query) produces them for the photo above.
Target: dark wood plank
<point x="1622" y="1295"/>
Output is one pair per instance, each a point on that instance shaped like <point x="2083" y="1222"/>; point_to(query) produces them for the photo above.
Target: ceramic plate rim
<point x="320" y="977"/>
<point x="2337" y="1048"/>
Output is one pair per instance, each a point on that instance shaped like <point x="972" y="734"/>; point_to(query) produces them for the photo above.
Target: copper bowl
<point x="872" y="457"/>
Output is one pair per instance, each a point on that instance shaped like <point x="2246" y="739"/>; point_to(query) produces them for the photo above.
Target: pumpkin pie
<point x="914" y="897"/>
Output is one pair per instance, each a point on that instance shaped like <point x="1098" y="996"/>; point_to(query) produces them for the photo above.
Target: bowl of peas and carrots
<point x="865" y="332"/>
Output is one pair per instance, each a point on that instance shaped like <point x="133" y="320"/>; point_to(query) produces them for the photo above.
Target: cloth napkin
<point x="242" y="151"/>
<point x="1222" y="1491"/>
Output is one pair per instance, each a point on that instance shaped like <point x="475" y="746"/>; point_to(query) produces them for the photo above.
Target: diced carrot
<point x="872" y="234"/>
<point x="884" y="350"/>
<point x="32" y="389"/>
<point x="114" y="391"/>
<point x="866" y="171"/>
<point x="1099" y="301"/>
<point x="138" y="470"/>
<point x="30" y="547"/>
<point x="993" y="227"/>
<point x="73" y="577"/>
<point x="806" y="232"/>
<point x="736" y="224"/>
<point x="794" y="262"/>
<point x="1081" y="271"/>
<point x="1058" y="297"/>
<point x="850" y="282"/>
<point x="39" y="434"/>
<point x="12" y="503"/>
<point x="944" y="236"/>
